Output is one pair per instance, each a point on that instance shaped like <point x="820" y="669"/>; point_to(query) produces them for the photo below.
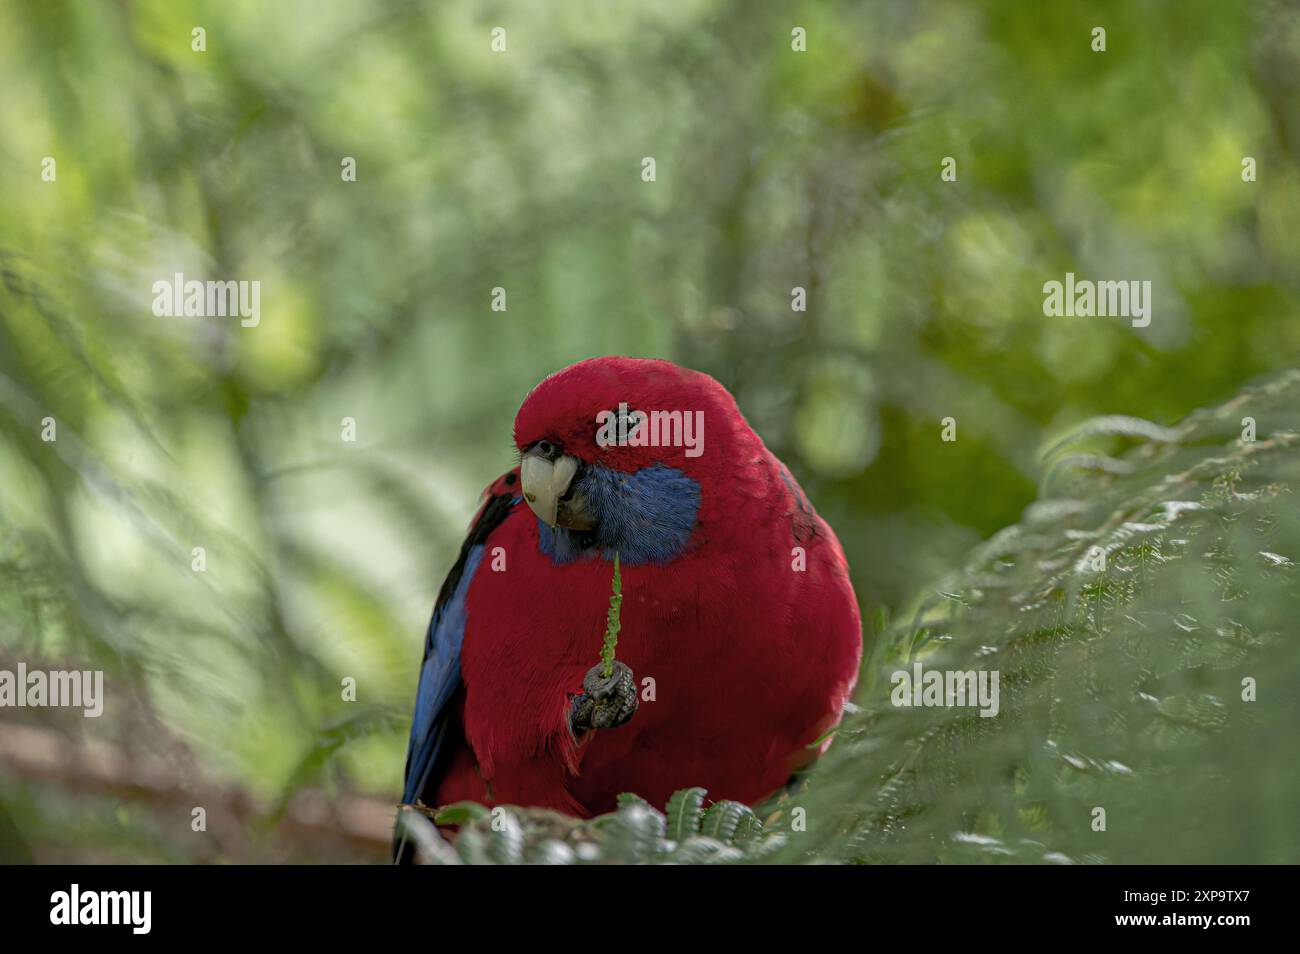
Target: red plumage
<point x="751" y="659"/>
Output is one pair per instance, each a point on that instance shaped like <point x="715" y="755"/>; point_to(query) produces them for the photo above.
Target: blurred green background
<point x="523" y="170"/>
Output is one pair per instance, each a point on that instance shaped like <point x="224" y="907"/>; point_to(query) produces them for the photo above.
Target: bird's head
<point x="617" y="454"/>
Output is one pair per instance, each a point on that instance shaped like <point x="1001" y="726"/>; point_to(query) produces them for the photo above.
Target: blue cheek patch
<point x="647" y="517"/>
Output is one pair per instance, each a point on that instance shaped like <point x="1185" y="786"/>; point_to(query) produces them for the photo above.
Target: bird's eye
<point x="546" y="450"/>
<point x="614" y="426"/>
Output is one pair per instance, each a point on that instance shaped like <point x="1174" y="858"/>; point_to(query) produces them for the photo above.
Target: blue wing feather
<point x="439" y="679"/>
<point x="431" y="724"/>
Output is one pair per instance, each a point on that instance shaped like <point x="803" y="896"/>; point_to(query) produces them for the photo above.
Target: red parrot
<point x="741" y="637"/>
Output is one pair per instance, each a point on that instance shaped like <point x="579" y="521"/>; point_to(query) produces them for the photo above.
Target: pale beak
<point x="544" y="483"/>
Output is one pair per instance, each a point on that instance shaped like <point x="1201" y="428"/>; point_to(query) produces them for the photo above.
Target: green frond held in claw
<point x="612" y="625"/>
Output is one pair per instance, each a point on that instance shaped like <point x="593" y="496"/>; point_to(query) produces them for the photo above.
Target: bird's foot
<point x="606" y="702"/>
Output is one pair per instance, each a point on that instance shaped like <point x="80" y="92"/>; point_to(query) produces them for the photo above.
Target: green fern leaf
<point x="685" y="809"/>
<point x="722" y="819"/>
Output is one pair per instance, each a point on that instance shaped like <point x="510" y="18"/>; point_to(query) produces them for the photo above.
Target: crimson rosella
<point x="740" y="638"/>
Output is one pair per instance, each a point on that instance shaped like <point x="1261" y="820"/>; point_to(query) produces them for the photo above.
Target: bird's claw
<point x="606" y="701"/>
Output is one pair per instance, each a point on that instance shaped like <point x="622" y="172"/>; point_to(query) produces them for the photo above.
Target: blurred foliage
<point x="775" y="169"/>
<point x="1123" y="679"/>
